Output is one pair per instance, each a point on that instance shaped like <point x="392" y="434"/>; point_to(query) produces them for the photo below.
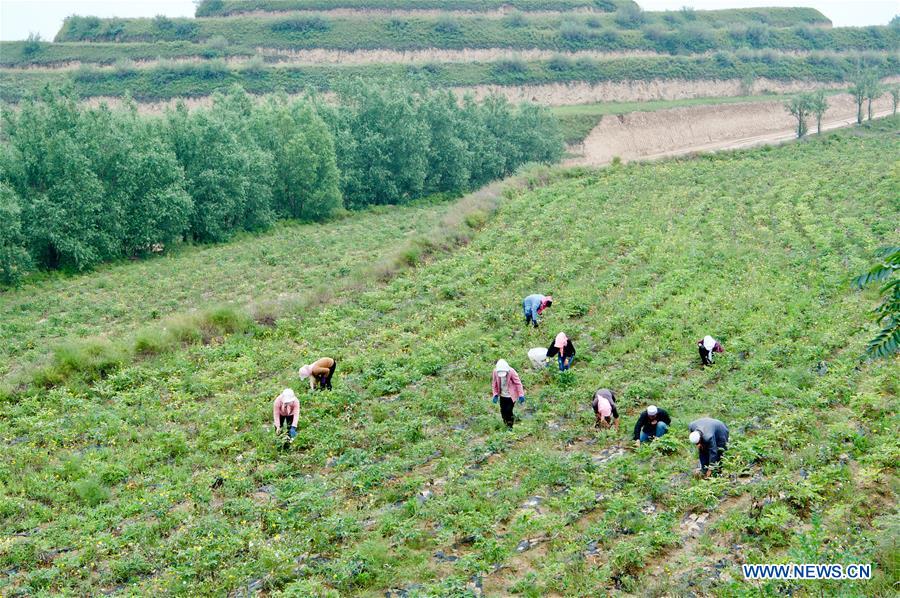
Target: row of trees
<point x="865" y="87"/>
<point x="79" y="185"/>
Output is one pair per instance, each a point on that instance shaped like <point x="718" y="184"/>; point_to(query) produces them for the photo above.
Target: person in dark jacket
<point x="604" y="406"/>
<point x="711" y="438"/>
<point x="707" y="346"/>
<point x="564" y="350"/>
<point x="652" y="423"/>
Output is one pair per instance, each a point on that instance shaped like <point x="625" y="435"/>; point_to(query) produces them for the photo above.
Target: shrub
<point x="303" y="25"/>
<point x="91" y="492"/>
<point x="447" y="25"/>
<point x="32" y="44"/>
<point x="630" y="16"/>
<point x="515" y="19"/>
<point x="574" y="32"/>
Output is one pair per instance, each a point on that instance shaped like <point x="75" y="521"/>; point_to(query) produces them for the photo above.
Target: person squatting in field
<point x="319" y="373"/>
<point x="711" y="438"/>
<point x="534" y="306"/>
<point x="506" y="384"/>
<point x="707" y="346"/>
<point x="286" y="412"/>
<point x="652" y="423"/>
<point x="604" y="406"/>
<point x="563" y="349"/>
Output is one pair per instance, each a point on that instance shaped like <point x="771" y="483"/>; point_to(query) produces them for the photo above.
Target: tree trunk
<point x="859" y="112"/>
<point x="818" y="124"/>
<point x="870" y="108"/>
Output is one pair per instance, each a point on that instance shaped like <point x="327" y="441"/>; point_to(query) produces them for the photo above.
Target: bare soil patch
<point x="663" y="133"/>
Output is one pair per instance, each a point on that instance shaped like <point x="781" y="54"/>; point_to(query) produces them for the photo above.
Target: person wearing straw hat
<point x="506" y="384"/>
<point x="286" y="412"/>
<point x="710" y="436"/>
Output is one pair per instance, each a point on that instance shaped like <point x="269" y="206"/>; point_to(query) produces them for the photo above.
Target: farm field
<point x="164" y="477"/>
<point x="277" y="265"/>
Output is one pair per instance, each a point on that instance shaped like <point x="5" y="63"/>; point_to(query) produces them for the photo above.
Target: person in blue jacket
<point x="533" y="306"/>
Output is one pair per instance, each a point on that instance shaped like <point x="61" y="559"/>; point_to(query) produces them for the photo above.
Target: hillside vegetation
<point x="205" y="78"/>
<point x="208" y="8"/>
<point x="668" y="32"/>
<point x="164" y="475"/>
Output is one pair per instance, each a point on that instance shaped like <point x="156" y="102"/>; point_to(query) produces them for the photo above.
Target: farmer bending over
<point x="319" y="373"/>
<point x="534" y="306"/>
<point x="711" y="437"/>
<point x="505" y="384"/>
<point x="652" y="423"/>
<point x="564" y="350"/>
<point x="286" y="412"/>
<point x="707" y="346"/>
<point x="604" y="406"/>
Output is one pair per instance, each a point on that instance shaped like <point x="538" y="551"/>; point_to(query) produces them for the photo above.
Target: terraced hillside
<point x="292" y="46"/>
<point x="164" y="476"/>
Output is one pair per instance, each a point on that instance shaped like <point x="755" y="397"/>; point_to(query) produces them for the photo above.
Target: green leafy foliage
<point x="88" y="185"/>
<point x="404" y="476"/>
<point x="887" y="315"/>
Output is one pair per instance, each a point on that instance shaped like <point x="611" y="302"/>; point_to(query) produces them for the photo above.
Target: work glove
<point x="293" y="431"/>
<point x="521" y="400"/>
<point x="496" y="398"/>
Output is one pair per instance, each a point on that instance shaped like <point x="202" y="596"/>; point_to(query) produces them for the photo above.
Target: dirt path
<point x="680" y="131"/>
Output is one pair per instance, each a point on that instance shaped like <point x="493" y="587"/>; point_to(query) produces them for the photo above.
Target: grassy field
<point x="202" y="79"/>
<point x="163" y="477"/>
<point x="276" y="265"/>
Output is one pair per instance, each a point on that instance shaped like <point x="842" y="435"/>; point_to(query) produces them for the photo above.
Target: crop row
<point x="202" y="79"/>
<point x="164" y="477"/>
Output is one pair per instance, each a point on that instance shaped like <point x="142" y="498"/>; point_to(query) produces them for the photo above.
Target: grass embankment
<point x="209" y="8"/>
<point x="163" y="477"/>
<point x="202" y="79"/>
<point x="664" y="32"/>
<point x="576" y="121"/>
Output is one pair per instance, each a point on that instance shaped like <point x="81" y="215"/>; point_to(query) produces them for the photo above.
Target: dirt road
<point x="680" y="131"/>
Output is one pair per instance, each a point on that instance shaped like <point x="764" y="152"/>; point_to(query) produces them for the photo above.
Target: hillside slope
<point x="164" y="477"/>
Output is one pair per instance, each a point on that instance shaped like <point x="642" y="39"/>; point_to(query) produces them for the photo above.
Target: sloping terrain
<point x="164" y="477"/>
<point x="701" y="128"/>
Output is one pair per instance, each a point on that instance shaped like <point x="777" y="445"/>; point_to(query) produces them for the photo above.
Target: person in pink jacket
<point x="286" y="411"/>
<point x="506" y="385"/>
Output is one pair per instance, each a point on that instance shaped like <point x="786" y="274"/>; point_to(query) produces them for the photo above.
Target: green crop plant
<point x="404" y="479"/>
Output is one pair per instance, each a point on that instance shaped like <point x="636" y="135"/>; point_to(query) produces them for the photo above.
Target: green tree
<point x="15" y="260"/>
<point x="800" y="107"/>
<point x="873" y="90"/>
<point x="228" y="177"/>
<point x="858" y="91"/>
<point x="818" y="106"/>
<point x="449" y="155"/>
<point x="886" y="315"/>
<point x="68" y="219"/>
<point x="383" y="144"/>
<point x="307" y="181"/>
<point x="537" y="134"/>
